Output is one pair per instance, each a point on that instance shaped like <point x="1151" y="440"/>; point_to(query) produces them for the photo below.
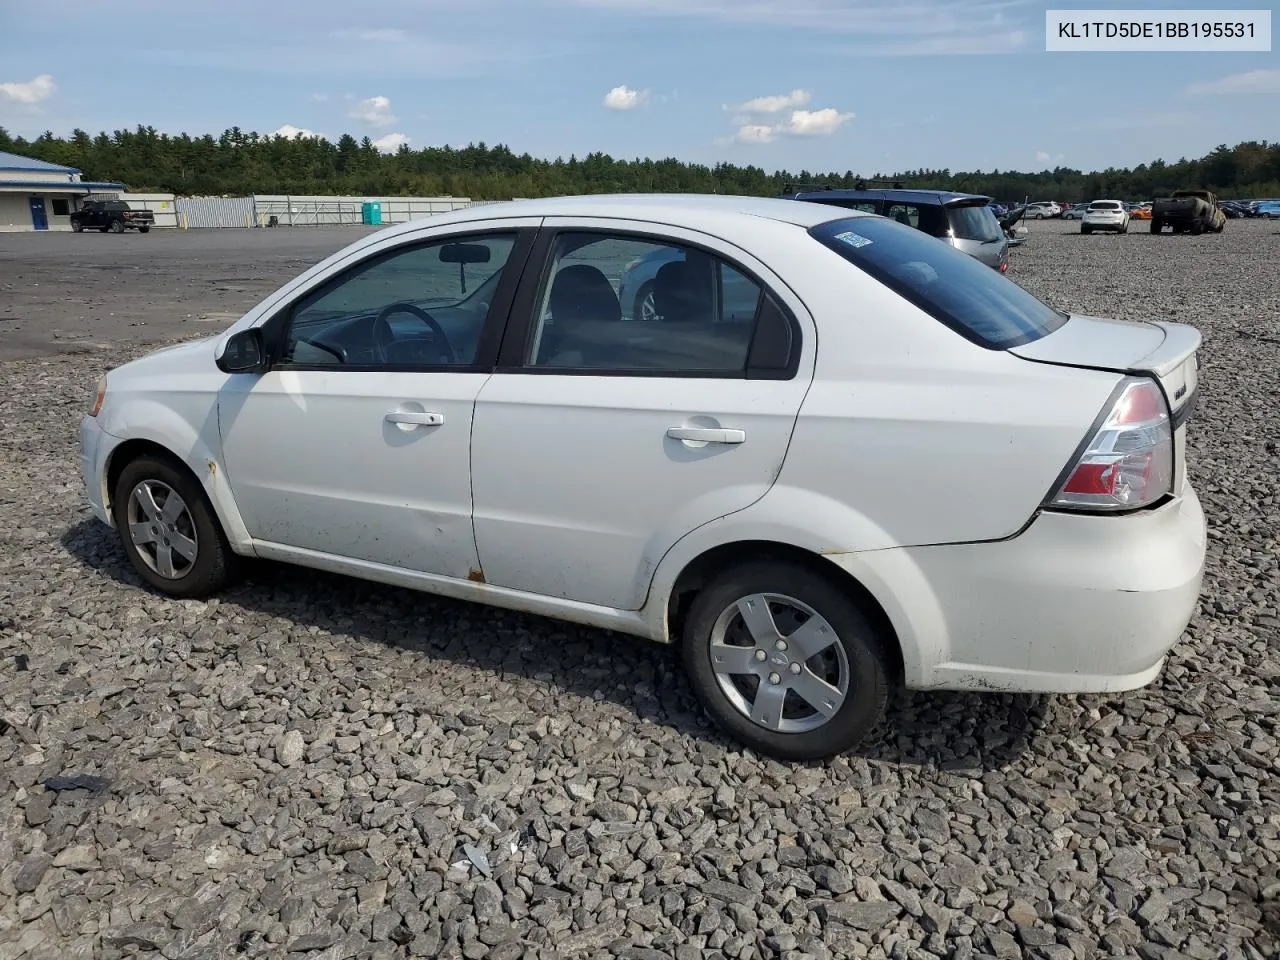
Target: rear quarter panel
<point x="913" y="434"/>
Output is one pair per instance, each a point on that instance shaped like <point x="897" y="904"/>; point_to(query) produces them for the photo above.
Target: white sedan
<point x="895" y="466"/>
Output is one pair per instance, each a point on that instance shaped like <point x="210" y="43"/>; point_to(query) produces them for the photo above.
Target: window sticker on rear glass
<point x="853" y="239"/>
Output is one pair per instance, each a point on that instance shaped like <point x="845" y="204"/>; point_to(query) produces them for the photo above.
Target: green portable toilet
<point x="372" y="210"/>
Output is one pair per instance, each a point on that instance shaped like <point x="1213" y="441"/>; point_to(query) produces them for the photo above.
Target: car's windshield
<point x="950" y="286"/>
<point x="974" y="223"/>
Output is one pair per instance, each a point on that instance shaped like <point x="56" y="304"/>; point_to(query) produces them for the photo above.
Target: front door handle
<point x="416" y="418"/>
<point x="707" y="434"/>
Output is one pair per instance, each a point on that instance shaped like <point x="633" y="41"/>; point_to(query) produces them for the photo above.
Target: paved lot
<point x="67" y="292"/>
<point x="311" y="766"/>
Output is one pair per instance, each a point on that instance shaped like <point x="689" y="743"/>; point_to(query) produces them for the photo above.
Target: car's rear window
<point x="1105" y="205"/>
<point x="974" y="223"/>
<point x="952" y="287"/>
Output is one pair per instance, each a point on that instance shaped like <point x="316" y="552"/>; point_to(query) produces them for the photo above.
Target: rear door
<point x="604" y="438"/>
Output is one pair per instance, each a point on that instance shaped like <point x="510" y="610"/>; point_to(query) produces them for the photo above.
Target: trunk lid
<point x="1166" y="351"/>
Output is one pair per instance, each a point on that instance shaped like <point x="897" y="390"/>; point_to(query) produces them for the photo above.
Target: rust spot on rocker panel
<point x="475" y="575"/>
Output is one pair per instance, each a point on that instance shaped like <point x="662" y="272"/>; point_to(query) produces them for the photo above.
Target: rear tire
<point x="1084" y="229"/>
<point x="76" y="226"/>
<point x="1197" y="228"/>
<point x="1156" y="225"/>
<point x="176" y="547"/>
<point x="811" y="641"/>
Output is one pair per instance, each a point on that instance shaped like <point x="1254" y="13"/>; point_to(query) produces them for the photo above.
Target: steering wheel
<point x="384" y="336"/>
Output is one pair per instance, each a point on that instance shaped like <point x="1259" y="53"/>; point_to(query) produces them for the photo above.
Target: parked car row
<point x="1236" y="209"/>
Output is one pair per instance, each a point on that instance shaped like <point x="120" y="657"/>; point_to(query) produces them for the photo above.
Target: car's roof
<point x="926" y="197"/>
<point x="691" y="210"/>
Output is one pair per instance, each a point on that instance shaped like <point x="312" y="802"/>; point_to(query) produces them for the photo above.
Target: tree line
<point x="237" y="163"/>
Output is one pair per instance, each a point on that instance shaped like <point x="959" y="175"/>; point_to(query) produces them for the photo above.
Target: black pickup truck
<point x="113" y="215"/>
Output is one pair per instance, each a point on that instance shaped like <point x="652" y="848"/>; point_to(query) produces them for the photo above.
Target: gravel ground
<point x="312" y="766"/>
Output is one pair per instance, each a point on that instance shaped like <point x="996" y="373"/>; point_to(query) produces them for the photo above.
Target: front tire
<point x="644" y="309"/>
<point x="169" y="530"/>
<point x="117" y="226"/>
<point x="143" y="229"/>
<point x="785" y="662"/>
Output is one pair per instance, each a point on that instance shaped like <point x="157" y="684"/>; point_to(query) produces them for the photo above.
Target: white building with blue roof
<point x="35" y="195"/>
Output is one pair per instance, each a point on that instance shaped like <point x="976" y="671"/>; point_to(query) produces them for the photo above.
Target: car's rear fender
<point x="826" y="529"/>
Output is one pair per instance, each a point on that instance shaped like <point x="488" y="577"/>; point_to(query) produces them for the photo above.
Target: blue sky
<point x="817" y="84"/>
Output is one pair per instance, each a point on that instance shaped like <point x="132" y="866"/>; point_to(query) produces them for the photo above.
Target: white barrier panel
<point x="162" y="205"/>
<point x="300" y="211"/>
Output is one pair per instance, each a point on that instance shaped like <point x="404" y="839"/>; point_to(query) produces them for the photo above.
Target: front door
<point x="356" y="443"/>
<point x="607" y="433"/>
<point x="39" y="219"/>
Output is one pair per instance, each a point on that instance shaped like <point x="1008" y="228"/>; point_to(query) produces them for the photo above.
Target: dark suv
<point x="963" y="220"/>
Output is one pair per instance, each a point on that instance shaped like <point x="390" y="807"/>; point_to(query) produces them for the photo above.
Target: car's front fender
<point x="141" y="418"/>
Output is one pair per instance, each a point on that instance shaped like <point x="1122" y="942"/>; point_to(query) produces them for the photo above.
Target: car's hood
<point x="193" y="353"/>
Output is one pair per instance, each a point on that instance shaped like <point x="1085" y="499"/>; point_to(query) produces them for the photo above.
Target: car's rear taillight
<point x="1128" y="462"/>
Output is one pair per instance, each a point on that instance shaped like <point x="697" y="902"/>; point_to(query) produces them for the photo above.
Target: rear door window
<point x="952" y="287"/>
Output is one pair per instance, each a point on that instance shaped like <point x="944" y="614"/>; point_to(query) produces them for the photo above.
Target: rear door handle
<point x="707" y="434"/>
<point x="417" y="418"/>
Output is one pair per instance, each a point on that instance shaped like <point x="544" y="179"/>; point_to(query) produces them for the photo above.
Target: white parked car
<point x="1041" y="210"/>
<point x="899" y="467"/>
<point x="1105" y="215"/>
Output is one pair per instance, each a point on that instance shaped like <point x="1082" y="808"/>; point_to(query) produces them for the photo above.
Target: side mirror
<point x="245" y="352"/>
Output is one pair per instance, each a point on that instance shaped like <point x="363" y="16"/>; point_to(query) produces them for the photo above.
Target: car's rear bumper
<point x="1074" y="604"/>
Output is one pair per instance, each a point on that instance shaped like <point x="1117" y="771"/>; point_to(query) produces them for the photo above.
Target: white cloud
<point x="883" y="17"/>
<point x="815" y="123"/>
<point x="320" y="97"/>
<point x="291" y="132"/>
<point x="949" y="45"/>
<point x="29" y="93"/>
<point x="755" y="133"/>
<point x="624" y="98"/>
<point x="1042" y="157"/>
<point x="391" y="142"/>
<point x="375" y="35"/>
<point x="374" y="112"/>
<point x="777" y="103"/>
<point x="1253" y="81"/>
<point x="798" y="123"/>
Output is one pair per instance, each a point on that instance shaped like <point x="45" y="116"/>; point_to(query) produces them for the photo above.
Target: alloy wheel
<point x="779" y="662"/>
<point x="162" y="529"/>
